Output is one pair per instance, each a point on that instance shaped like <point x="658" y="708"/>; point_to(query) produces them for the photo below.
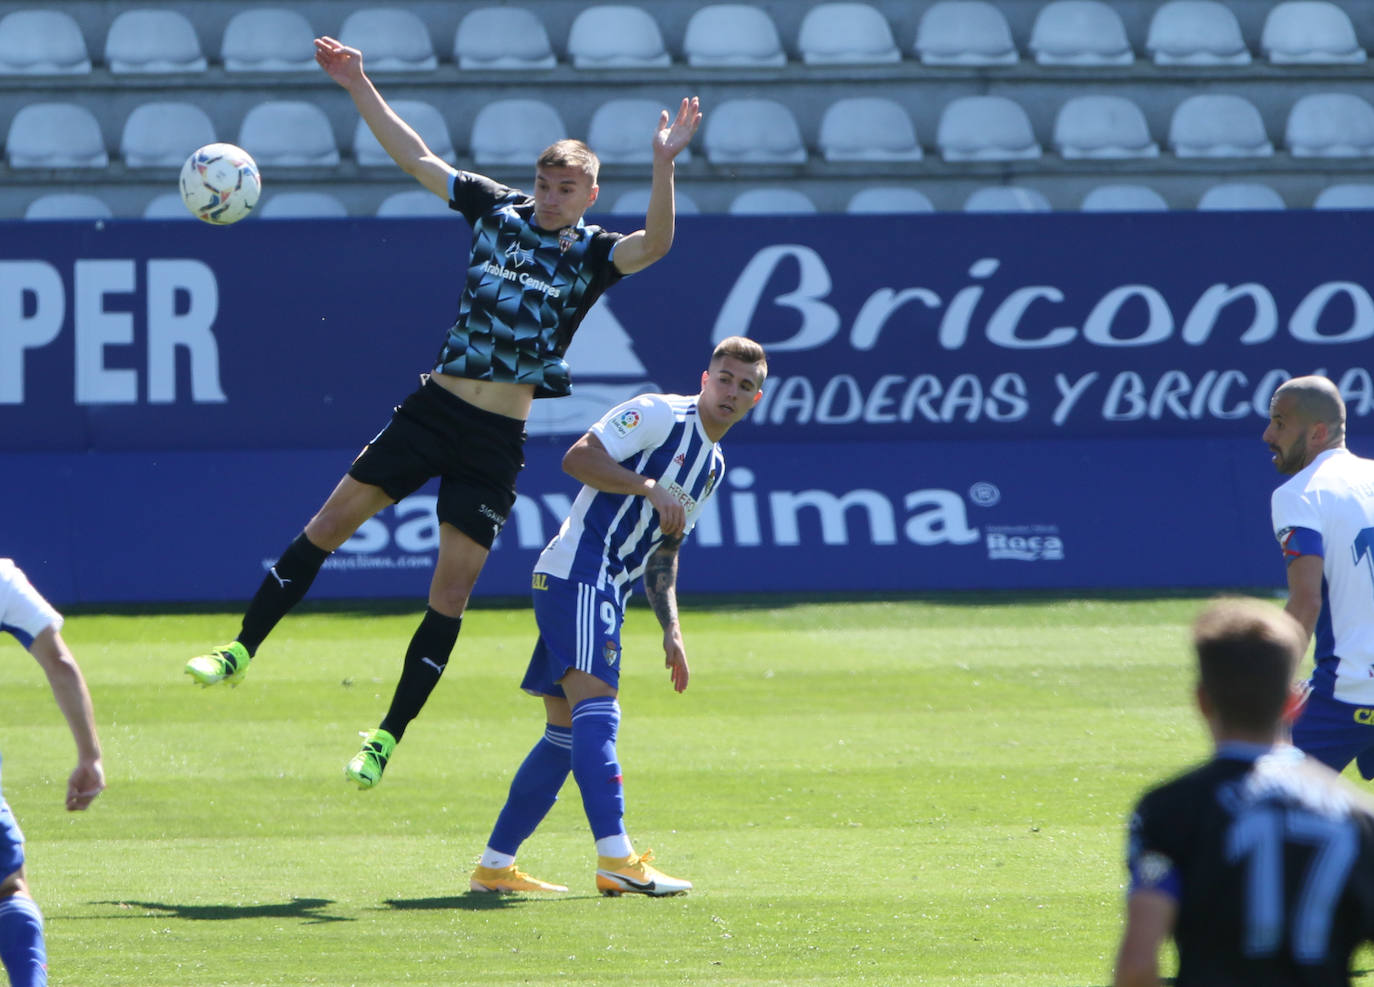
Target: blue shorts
<point x="11" y="841"/>
<point x="579" y="627"/>
<point x="1336" y="733"/>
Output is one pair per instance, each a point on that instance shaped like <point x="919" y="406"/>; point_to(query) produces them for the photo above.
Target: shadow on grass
<point x="302" y="908"/>
<point x="474" y="901"/>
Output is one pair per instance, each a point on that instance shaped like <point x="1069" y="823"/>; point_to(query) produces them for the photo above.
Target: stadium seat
<point x="1330" y="125"/>
<point x="985" y="128"/>
<point x="616" y="36"/>
<point x="514" y="131"/>
<point x="846" y="34"/>
<point x="288" y="134"/>
<point x="635" y="202"/>
<point x="152" y="41"/>
<point x="502" y="38"/>
<point x="1103" y="127"/>
<point x="1310" y="32"/>
<point x="1079" y="32"/>
<point x="1123" y="198"/>
<point x="55" y="135"/>
<point x="1196" y="32"/>
<point x="732" y="35"/>
<point x="621" y="130"/>
<point x="1218" y="125"/>
<point x="168" y="205"/>
<point x="268" y="39"/>
<point x="879" y="200"/>
<point x="1348" y="196"/>
<point x="1240" y="196"/>
<point x="69" y="205"/>
<point x="1006" y="198"/>
<point x="964" y="32"/>
<point x="868" y="128"/>
<point x="42" y="42"/>
<point x="771" y="202"/>
<point x="393" y="39"/>
<point x="414" y="202"/>
<point x="752" y="131"/>
<point x="423" y="118"/>
<point x="162" y="135"/>
<point x="303" y="205"/>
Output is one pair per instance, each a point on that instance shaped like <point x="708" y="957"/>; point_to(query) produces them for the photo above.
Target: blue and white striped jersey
<point x="607" y="538"/>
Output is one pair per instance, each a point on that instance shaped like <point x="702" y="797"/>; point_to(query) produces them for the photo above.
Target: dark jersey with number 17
<point x="1271" y="862"/>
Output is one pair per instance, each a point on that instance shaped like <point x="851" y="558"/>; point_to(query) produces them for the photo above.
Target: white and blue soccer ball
<point x="220" y="184"/>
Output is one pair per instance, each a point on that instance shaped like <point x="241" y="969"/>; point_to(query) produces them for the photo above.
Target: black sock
<point x="425" y="661"/>
<point x="282" y="588"/>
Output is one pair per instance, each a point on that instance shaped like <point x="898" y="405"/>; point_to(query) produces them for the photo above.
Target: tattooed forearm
<point x="660" y="582"/>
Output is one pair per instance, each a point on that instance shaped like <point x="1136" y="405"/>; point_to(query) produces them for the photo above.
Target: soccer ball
<point x="220" y="184"/>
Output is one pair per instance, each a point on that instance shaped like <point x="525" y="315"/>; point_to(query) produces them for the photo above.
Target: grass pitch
<point x="883" y="793"/>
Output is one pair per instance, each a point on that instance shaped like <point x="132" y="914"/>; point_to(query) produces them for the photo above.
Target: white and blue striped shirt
<point x="607" y="538"/>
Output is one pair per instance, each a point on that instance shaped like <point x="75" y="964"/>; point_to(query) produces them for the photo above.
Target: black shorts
<point x="476" y="454"/>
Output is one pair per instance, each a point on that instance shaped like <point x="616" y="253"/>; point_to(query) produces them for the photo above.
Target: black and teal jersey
<point x="526" y="292"/>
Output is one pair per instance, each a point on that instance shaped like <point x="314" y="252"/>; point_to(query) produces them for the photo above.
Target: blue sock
<point x="596" y="766"/>
<point x="534" y="789"/>
<point x="21" y="942"/>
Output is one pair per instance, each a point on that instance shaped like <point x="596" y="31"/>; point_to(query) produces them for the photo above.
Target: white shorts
<point x="23" y="611"/>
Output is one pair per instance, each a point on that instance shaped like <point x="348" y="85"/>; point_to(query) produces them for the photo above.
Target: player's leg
<point x="455" y="573"/>
<point x="591" y="686"/>
<point x="477" y="456"/>
<point x="1329" y="731"/>
<point x="22" y="950"/>
<point x="533" y="792"/>
<point x="287" y="582"/>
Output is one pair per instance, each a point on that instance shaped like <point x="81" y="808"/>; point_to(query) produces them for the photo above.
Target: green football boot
<point x="227" y="663"/>
<point x="365" y="770"/>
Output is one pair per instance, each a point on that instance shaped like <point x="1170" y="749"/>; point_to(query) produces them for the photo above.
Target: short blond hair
<point x="743" y="349"/>
<point x="569" y="153"/>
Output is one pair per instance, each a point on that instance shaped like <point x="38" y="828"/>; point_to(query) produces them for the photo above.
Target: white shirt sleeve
<point x="1291" y="509"/>
<point x="23" y="611"/>
<point x="632" y="426"/>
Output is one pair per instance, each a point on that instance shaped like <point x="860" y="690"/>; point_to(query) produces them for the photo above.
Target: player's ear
<point x="591" y="196"/>
<point x="758" y="396"/>
<point x="705" y="376"/>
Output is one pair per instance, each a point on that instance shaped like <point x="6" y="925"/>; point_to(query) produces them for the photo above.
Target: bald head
<point x="1315" y="401"/>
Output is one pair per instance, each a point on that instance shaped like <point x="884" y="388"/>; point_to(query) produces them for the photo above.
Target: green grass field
<point x="881" y="792"/>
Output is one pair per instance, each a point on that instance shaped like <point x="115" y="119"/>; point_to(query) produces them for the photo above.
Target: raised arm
<point x="587" y="461"/>
<point x="406" y="147"/>
<point x="660" y="589"/>
<point x="640" y="249"/>
<point x="69" y="689"/>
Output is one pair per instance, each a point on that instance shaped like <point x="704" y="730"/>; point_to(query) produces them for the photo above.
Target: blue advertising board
<point x="954" y="401"/>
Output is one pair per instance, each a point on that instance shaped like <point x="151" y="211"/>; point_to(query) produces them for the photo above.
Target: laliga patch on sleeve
<point x="625" y="422"/>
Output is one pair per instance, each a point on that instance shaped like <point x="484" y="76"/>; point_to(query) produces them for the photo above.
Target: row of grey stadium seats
<point x="294" y="133"/>
<point x="1203" y="33"/>
<point x="755" y="201"/>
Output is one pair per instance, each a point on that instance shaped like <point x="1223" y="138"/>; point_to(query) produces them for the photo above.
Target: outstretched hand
<point x="669" y="140"/>
<point x="344" y="64"/>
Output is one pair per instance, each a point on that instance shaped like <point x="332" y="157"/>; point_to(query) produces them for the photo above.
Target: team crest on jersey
<point x="710" y="485"/>
<point x="567" y="236"/>
<point x="611" y="653"/>
<point x="625" y="422"/>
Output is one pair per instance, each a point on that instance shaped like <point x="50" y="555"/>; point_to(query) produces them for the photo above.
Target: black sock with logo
<point x="425" y="661"/>
<point x="282" y="588"/>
